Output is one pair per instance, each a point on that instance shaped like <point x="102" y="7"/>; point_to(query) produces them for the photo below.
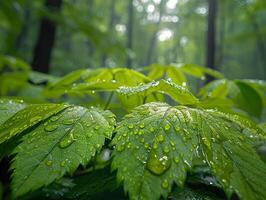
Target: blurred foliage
<point x="85" y="36"/>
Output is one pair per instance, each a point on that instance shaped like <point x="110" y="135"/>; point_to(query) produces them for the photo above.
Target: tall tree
<point x="154" y="34"/>
<point x="223" y="8"/>
<point x="130" y="32"/>
<point x="110" y="26"/>
<point x="211" y="33"/>
<point x="46" y="39"/>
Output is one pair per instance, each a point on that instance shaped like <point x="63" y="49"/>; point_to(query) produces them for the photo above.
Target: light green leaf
<point x="156" y="144"/>
<point x="176" y="92"/>
<point x="249" y="99"/>
<point x="26" y="118"/>
<point x="58" y="146"/>
<point x="9" y="107"/>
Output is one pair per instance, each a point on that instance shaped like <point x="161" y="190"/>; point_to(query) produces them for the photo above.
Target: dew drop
<point x="151" y="129"/>
<point x="166" y="149"/>
<point x="165" y="184"/>
<point x="158" y="165"/>
<point x="176" y="159"/>
<point x="177" y="128"/>
<point x="141" y="132"/>
<point x="67" y="141"/>
<point x="55" y="118"/>
<point x="49" y="163"/>
<point x="63" y="163"/>
<point x="50" y="128"/>
<point x="142" y="125"/>
<point x="167" y="127"/>
<point x="146" y="145"/>
<point x="68" y="121"/>
<point x="206" y="142"/>
<point x="34" y="119"/>
<point x="130" y="126"/>
<point x="160" y="138"/>
<point x="120" y="148"/>
<point x="155" y="146"/>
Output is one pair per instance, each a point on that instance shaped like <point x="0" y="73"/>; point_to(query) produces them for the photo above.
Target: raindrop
<point x="142" y="125"/>
<point x="176" y="159"/>
<point x="68" y="121"/>
<point x="34" y="119"/>
<point x="177" y="128"/>
<point x="165" y="184"/>
<point x="151" y="129"/>
<point x="158" y="165"/>
<point x="155" y="145"/>
<point x="160" y="138"/>
<point x="49" y="163"/>
<point x="50" y="128"/>
<point x="67" y="141"/>
<point x="63" y="163"/>
<point x="206" y="142"/>
<point x="167" y="127"/>
<point x="146" y="145"/>
<point x="120" y="148"/>
<point x="166" y="149"/>
<point x="130" y="126"/>
<point x="55" y="118"/>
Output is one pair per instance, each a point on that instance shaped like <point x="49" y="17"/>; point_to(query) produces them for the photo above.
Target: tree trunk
<point x="154" y="35"/>
<point x="222" y="27"/>
<point x="211" y="39"/>
<point x="46" y="39"/>
<point x="110" y="27"/>
<point x="20" y="40"/>
<point x="130" y="32"/>
<point x="260" y="41"/>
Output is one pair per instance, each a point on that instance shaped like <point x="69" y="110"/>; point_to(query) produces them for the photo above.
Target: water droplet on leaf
<point x="50" y="128"/>
<point x="165" y="184"/>
<point x="158" y="165"/>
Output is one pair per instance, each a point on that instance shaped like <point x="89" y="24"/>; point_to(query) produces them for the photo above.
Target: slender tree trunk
<point x="130" y="32"/>
<point x="211" y="39"/>
<point x="260" y="41"/>
<point x="46" y="39"/>
<point x="154" y="35"/>
<point x="20" y="41"/>
<point x="110" y="26"/>
<point x="222" y="27"/>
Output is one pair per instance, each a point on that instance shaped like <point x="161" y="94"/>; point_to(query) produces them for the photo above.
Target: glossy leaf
<point x="26" y="118"/>
<point x="176" y="92"/>
<point x="58" y="146"/>
<point x="156" y="144"/>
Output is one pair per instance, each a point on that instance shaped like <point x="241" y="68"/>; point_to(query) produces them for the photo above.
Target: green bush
<point x="124" y="134"/>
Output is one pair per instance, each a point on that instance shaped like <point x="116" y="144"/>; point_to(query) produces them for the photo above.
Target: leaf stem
<point x="109" y="101"/>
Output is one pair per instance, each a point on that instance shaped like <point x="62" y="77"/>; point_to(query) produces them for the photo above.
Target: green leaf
<point x="176" y="92"/>
<point x="197" y="71"/>
<point x="12" y="63"/>
<point x="26" y="118"/>
<point x="177" y="72"/>
<point x="215" y="89"/>
<point x="249" y="99"/>
<point x="188" y="193"/>
<point x="156" y="144"/>
<point x="87" y="81"/>
<point x="9" y="107"/>
<point x="58" y="146"/>
<point x="98" y="184"/>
